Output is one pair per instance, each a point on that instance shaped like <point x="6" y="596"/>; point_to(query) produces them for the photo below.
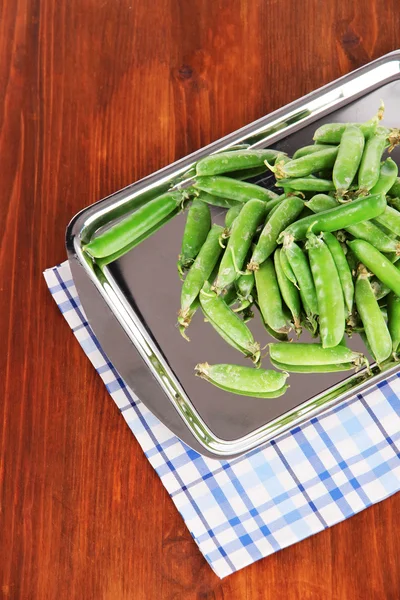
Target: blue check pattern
<point x="244" y="509"/>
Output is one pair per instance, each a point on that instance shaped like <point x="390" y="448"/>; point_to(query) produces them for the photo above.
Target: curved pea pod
<point x="217" y="200"/>
<point x="394" y="191"/>
<point x="375" y="328"/>
<point x="377" y="263"/>
<point x="305" y="165"/>
<point x="244" y="227"/>
<point x="390" y="219"/>
<point x="199" y="272"/>
<point x="341" y="217"/>
<point x="289" y="292"/>
<point x="307" y="184"/>
<point x="287" y="269"/>
<point x="343" y="269"/>
<point x="301" y="269"/>
<point x="279" y="336"/>
<point x="348" y="158"/>
<point x="284" y="214"/>
<point x="224" y="162"/>
<point x="244" y="285"/>
<point x="198" y="224"/>
<point x="363" y="231"/>
<point x="393" y="308"/>
<point x="231" y="215"/>
<point x="134" y="226"/>
<point x="312" y="368"/>
<point x="331" y="133"/>
<point x="387" y="177"/>
<point x="327" y="283"/>
<point x="368" y="173"/>
<point x="227" y="323"/>
<point x="272" y="204"/>
<point x="269" y="297"/>
<point x="305" y="150"/>
<point x="244" y="174"/>
<point x="314" y="356"/>
<point x="245" y="381"/>
<point x="233" y="189"/>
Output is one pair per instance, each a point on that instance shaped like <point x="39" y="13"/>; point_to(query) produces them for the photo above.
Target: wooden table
<point x="95" y="94"/>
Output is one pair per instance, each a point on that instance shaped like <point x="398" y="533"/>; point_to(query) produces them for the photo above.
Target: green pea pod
<point x="312" y="368"/>
<point x="231" y="215"/>
<point x="331" y="133"/>
<point x="393" y="307"/>
<point x="390" y="219"/>
<point x="305" y="150"/>
<point x="343" y="269"/>
<point x="285" y="213"/>
<point x="245" y="285"/>
<point x="269" y="297"/>
<point x="289" y="292"/>
<point x="314" y="355"/>
<point x="368" y="174"/>
<point x="244" y="174"/>
<point x="244" y="227"/>
<point x="199" y="272"/>
<point x="305" y="165"/>
<point x="245" y="381"/>
<point x="348" y="158"/>
<point x="341" y="217"/>
<point x="217" y="200"/>
<point x="327" y="283"/>
<point x="198" y="224"/>
<point x="227" y="323"/>
<point x="364" y="231"/>
<point x="377" y="263"/>
<point x="380" y="289"/>
<point x="224" y="162"/>
<point x="375" y="328"/>
<point x="272" y="204"/>
<point x="106" y="260"/>
<point x="394" y="191"/>
<point x="307" y="184"/>
<point x="233" y="189"/>
<point x="394" y="202"/>
<point x="134" y="226"/>
<point x="287" y="269"/>
<point x="387" y="177"/>
<point x="279" y="336"/>
<point x="301" y="269"/>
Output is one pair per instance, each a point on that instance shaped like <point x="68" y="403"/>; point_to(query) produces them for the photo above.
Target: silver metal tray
<point x="132" y="303"/>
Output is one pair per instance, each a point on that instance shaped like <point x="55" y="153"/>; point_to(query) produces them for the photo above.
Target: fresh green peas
<point x="307" y="184"/>
<point x="290" y="293"/>
<point x="245" y="284"/>
<point x="312" y="368"/>
<point x="301" y="269"/>
<point x="394" y="202"/>
<point x="375" y="328"/>
<point x="337" y="218"/>
<point x="390" y="219"/>
<point x="387" y="177"/>
<point x="287" y="269"/>
<point x="331" y="133"/>
<point x="327" y="283"/>
<point x="368" y="174"/>
<point x="380" y="289"/>
<point x="314" y="356"/>
<point x="227" y="323"/>
<point x="343" y="269"/>
<point x="244" y="227"/>
<point x="217" y="200"/>
<point x="305" y="165"/>
<point x="269" y="297"/>
<point x="321" y="202"/>
<point x="393" y="308"/>
<point x="199" y="272"/>
<point x="310" y="150"/>
<point x="377" y="263"/>
<point x="348" y="158"/>
<point x="244" y="174"/>
<point x="231" y="215"/>
<point x="285" y="213"/>
<point x="394" y="191"/>
<point x="133" y="226"/>
<point x="245" y="381"/>
<point x="198" y="224"/>
<point x="224" y="162"/>
<point x="233" y="189"/>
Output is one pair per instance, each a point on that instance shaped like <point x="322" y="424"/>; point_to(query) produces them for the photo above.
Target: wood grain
<point x="93" y="95"/>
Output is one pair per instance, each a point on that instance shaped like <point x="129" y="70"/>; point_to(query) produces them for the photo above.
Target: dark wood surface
<point x="95" y="94"/>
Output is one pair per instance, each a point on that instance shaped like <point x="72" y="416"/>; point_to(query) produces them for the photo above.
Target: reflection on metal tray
<point x="132" y="303"/>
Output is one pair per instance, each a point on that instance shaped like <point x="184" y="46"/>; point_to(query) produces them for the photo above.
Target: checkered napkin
<point x="243" y="509"/>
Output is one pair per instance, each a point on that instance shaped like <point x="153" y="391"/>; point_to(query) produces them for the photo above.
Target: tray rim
<point x="319" y="103"/>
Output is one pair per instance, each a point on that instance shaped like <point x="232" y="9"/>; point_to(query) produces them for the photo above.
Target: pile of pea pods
<point x="321" y="256"/>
